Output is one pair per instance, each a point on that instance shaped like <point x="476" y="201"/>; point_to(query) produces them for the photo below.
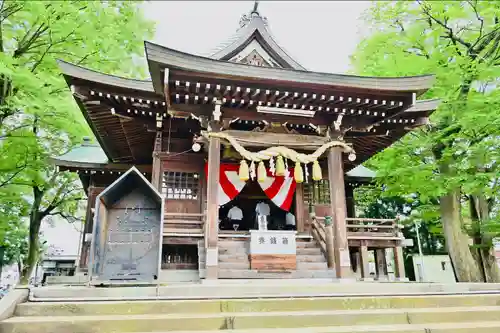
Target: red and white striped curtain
<point x="279" y="190"/>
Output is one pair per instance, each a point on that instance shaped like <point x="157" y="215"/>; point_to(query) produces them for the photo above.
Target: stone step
<point x="239" y="289"/>
<point x="246" y="320"/>
<point x="309" y="251"/>
<point x="228" y="257"/>
<point x="233" y="250"/>
<point x="255" y="274"/>
<point x="234" y="265"/>
<point x="312" y="266"/>
<point x="311" y="258"/>
<point x="233" y="244"/>
<point x="476" y="327"/>
<point x="308" y="244"/>
<point x="252" y="305"/>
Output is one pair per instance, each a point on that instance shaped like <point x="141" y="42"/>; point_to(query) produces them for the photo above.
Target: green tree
<point x="38" y="117"/>
<point x="453" y="162"/>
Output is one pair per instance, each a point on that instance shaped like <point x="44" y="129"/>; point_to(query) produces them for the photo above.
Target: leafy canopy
<point x="38" y="116"/>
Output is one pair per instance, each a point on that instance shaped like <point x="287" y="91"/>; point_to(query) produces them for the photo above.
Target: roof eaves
<point x="181" y="60"/>
<point x="86" y="74"/>
<point x="425" y="105"/>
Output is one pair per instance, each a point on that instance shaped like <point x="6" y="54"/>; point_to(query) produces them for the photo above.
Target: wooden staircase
<point x="234" y="262"/>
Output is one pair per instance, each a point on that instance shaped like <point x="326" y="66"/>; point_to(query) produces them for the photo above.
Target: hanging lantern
<point x="261" y="172"/>
<point x="280" y="166"/>
<point x="243" y="171"/>
<point x="298" y="174"/>
<point x="316" y="171"/>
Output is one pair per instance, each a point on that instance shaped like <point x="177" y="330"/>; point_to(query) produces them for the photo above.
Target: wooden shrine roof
<point x="122" y="112"/>
<point x="181" y="64"/>
<point x="254" y="27"/>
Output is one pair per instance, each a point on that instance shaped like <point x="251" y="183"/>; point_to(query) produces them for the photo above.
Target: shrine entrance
<point x="247" y="200"/>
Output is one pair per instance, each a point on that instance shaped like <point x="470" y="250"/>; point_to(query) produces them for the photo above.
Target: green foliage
<point x="373" y="202"/>
<point x="38" y="116"/>
<point x="457" y="154"/>
<point x="459" y="41"/>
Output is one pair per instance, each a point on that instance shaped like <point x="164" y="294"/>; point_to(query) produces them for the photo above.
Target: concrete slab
<point x="251" y="305"/>
<point x="261" y="290"/>
<point x="246" y="320"/>
<point x="10" y="301"/>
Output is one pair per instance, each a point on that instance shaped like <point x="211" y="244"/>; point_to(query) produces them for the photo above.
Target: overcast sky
<point x="318" y="34"/>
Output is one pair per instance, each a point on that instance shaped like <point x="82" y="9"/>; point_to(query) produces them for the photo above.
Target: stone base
<point x="367" y="279"/>
<point x="211" y="272"/>
<point x="402" y="279"/>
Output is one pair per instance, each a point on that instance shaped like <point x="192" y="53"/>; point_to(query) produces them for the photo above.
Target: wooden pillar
<point x="399" y="266"/>
<point x="212" y="218"/>
<point x="157" y="170"/>
<point x="338" y="207"/>
<point x="330" y="247"/>
<point x="365" y="263"/>
<point x="299" y="207"/>
<point x="380" y="264"/>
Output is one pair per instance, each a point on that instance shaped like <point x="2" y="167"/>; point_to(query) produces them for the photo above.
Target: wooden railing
<point x="318" y="232"/>
<point x="183" y="224"/>
<point x="368" y="228"/>
<point x="360" y="229"/>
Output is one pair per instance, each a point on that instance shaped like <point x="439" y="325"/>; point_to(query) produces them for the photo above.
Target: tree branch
<point x="473" y="4"/>
<point x="443" y="23"/>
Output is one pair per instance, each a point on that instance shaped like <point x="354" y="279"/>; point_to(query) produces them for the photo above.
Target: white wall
<point x="63" y="241"/>
<point x="436" y="268"/>
<point x="63" y="238"/>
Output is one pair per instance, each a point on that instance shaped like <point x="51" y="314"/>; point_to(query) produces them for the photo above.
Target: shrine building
<point x="236" y="165"/>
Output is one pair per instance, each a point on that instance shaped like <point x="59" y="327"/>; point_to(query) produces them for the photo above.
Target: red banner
<point x="279" y="190"/>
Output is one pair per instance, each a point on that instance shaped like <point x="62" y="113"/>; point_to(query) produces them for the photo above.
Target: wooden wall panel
<point x="273" y="262"/>
<point x="182" y="206"/>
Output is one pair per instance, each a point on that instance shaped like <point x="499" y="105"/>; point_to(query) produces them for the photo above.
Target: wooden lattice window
<point x="181" y="185"/>
<point x="317" y="192"/>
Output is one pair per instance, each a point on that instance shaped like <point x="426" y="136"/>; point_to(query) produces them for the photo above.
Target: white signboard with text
<point x="272" y="242"/>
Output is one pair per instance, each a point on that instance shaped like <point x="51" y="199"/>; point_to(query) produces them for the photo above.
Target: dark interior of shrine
<point x="179" y="256"/>
<point x="247" y="201"/>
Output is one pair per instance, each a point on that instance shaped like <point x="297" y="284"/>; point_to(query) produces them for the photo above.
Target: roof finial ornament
<point x="256" y="7"/>
<point x="246" y="18"/>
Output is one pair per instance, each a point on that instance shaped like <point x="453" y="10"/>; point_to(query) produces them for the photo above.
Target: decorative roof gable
<point x="254" y="36"/>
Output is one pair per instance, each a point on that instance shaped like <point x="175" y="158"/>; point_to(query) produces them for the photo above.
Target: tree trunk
<point x="32" y="258"/>
<point x="457" y="241"/>
<point x="33" y="239"/>
<point x="484" y="251"/>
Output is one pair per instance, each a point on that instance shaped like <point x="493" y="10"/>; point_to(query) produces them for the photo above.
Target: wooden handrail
<point x="318" y="232"/>
<point x="364" y="219"/>
<point x="371" y="227"/>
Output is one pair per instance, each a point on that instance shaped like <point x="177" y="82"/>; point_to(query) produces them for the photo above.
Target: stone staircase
<point x="91" y="310"/>
<point x="234" y="262"/>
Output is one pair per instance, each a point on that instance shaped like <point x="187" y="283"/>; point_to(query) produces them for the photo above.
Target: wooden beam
<point x="299" y="207"/>
<point x="339" y="212"/>
<point x="157" y="172"/>
<point x="166" y="87"/>
<point x="212" y="220"/>
<point x="399" y="266"/>
<point x="365" y="264"/>
<point x="263" y="139"/>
